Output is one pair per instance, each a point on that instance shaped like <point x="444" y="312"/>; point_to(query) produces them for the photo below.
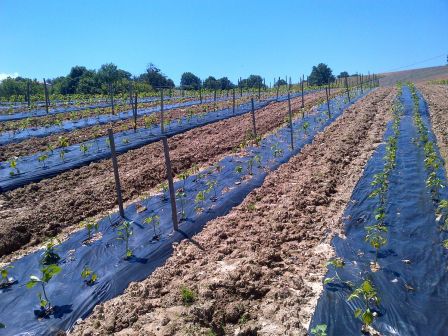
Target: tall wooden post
<point x="327" y="92"/>
<point x="254" y="127"/>
<point x="135" y="111"/>
<point x="290" y="121"/>
<point x="200" y="94"/>
<point x="303" y="102"/>
<point x="116" y="175"/>
<point x="28" y="93"/>
<point x="47" y="101"/>
<point x="162" y="121"/>
<point x="346" y="88"/>
<point x="233" y="101"/>
<point x="169" y="176"/>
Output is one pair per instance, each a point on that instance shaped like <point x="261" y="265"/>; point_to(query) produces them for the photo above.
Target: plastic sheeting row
<point x="412" y="282"/>
<point x="34" y="168"/>
<point x="73" y="298"/>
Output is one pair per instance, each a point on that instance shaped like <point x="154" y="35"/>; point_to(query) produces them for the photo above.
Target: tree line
<point x="81" y="80"/>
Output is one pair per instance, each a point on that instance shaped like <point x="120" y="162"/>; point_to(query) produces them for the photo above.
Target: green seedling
<point x="49" y="256"/>
<point x="366" y="292"/>
<point x="42" y="158"/>
<point x="50" y="147"/>
<point x="63" y="142"/>
<point x="445" y="243"/>
<point x="155" y="222"/>
<point x="13" y="165"/>
<point x="89" y="276"/>
<point x="181" y="195"/>
<point x="124" y="233"/>
<point x="212" y="186"/>
<point x="305" y="127"/>
<point x="276" y="151"/>
<point x="62" y="155"/>
<point x="319" y="330"/>
<point x="84" y="148"/>
<point x="90" y="225"/>
<point x="164" y="189"/>
<point x="5" y="281"/>
<point x="199" y="201"/>
<point x="183" y="177"/>
<point x="336" y="263"/>
<point x="188" y="296"/>
<point x="239" y="169"/>
<point x="48" y="272"/>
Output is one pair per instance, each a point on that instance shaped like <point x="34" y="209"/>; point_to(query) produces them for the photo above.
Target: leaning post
<point x="116" y="175"/>
<point x="169" y="176"/>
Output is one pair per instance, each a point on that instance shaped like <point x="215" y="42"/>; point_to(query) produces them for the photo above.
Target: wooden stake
<point x="346" y="87"/>
<point x="47" y="101"/>
<point x="169" y="176"/>
<point x="162" y="126"/>
<point x="290" y="121"/>
<point x="116" y="175"/>
<point x="28" y="98"/>
<point x="303" y="102"/>
<point x="327" y="92"/>
<point x="233" y="101"/>
<point x="135" y="111"/>
<point x="253" y="118"/>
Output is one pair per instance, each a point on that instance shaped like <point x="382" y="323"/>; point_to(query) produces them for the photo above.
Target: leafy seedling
<point x="90" y="225"/>
<point x="319" y="330"/>
<point x="212" y="186"/>
<point x="366" y="292"/>
<point x="49" y="256"/>
<point x="89" y="276"/>
<point x="84" y="148"/>
<point x="13" y="165"/>
<point x="124" y="233"/>
<point x="155" y="222"/>
<point x="199" y="201"/>
<point x="48" y="272"/>
<point x="336" y="263"/>
<point x="181" y="195"/>
<point x="239" y="169"/>
<point x="5" y="280"/>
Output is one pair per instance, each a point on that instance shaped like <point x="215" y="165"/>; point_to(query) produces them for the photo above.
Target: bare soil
<point x="40" y="210"/>
<point x="436" y="97"/>
<point x="257" y="270"/>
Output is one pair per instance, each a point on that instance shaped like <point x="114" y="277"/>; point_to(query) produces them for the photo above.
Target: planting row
<point x="248" y="272"/>
<point x="389" y="274"/>
<point x="21" y="171"/>
<point x="66" y="281"/>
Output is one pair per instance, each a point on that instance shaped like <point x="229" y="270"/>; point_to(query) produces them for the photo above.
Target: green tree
<point x="320" y="75"/>
<point x="343" y="74"/>
<point x="211" y="83"/>
<point x="190" y="81"/>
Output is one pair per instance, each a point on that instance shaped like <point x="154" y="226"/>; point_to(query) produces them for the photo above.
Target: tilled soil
<point x="257" y="270"/>
<point x="437" y="98"/>
<point x="34" y="145"/>
<point x="30" y="214"/>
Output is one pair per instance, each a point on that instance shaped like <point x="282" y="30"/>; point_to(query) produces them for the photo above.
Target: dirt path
<point x="257" y="271"/>
<point x="437" y="98"/>
<point x="39" y="210"/>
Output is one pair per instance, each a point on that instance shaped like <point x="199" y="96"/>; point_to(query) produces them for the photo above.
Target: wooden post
<point x="327" y="92"/>
<point x="346" y="88"/>
<point x="28" y="98"/>
<point x="290" y="121"/>
<point x="278" y="86"/>
<point x="241" y="91"/>
<point x="200" y="94"/>
<point x="214" y="100"/>
<point x="303" y="102"/>
<point x="169" y="176"/>
<point x="111" y="94"/>
<point x="162" y="126"/>
<point x="233" y="101"/>
<point x="253" y="118"/>
<point x="259" y="91"/>
<point x="47" y="102"/>
<point x="116" y="175"/>
<point x="135" y="112"/>
<point x="361" y="83"/>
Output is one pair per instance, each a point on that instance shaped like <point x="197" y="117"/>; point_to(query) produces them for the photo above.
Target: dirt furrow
<point x="30" y="214"/>
<point x="436" y="97"/>
<point x="257" y="270"/>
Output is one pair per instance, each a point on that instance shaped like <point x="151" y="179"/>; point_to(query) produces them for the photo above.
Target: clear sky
<point x="44" y="38"/>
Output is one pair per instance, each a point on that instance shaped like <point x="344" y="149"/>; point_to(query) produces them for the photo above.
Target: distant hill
<point x="414" y="75"/>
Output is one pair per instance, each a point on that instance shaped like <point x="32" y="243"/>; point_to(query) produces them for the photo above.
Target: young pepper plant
<point x="48" y="272"/>
<point x="367" y="293"/>
<point x="124" y="233"/>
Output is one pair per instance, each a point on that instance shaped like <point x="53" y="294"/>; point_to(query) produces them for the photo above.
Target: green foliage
<point x="319" y="330"/>
<point x="153" y="220"/>
<point x="88" y="275"/>
<point x="49" y="256"/>
<point x="366" y="292"/>
<point x="124" y="233"/>
<point x="90" y="225"/>
<point x="4" y="272"/>
<point x="321" y="75"/>
<point x="190" y="81"/>
<point x="188" y="296"/>
<point x="47" y="273"/>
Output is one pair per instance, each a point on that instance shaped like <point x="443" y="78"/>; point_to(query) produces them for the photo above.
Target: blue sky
<point x="233" y="37"/>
